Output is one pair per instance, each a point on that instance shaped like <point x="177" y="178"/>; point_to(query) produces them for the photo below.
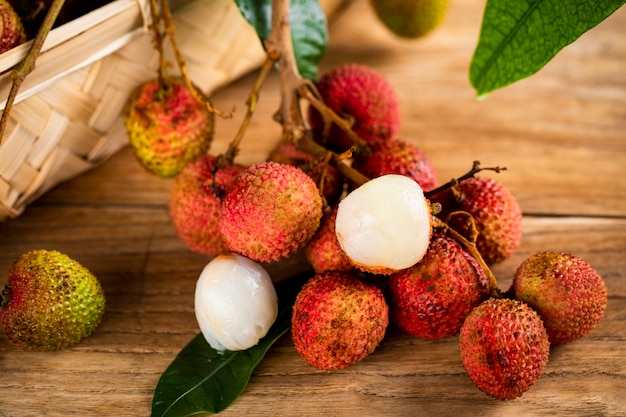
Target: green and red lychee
<point x="410" y="18"/>
<point x="168" y="125"/>
<point x="338" y="320"/>
<point x="504" y="347"/>
<point x="431" y="299"/>
<point x="567" y="292"/>
<point x="12" y="31"/>
<point x="195" y="203"/>
<point x="270" y="211"/>
<point x="50" y="302"/>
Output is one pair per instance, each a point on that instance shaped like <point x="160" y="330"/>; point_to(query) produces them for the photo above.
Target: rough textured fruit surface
<point x="323" y="251"/>
<point x="496" y="212"/>
<point x="504" y="347"/>
<point x="50" y="302"/>
<point x="195" y="205"/>
<point x="270" y="211"/>
<point x="12" y="30"/>
<point x="410" y="18"/>
<point x="338" y="320"/>
<point x="167" y="126"/>
<point x="567" y="292"/>
<point x="362" y="95"/>
<point x="431" y="299"/>
<point x="398" y="157"/>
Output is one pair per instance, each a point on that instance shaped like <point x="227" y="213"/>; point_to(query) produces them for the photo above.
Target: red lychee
<point x="431" y="299"/>
<point x="362" y="95"/>
<point x="167" y="125"/>
<point x="195" y="205"/>
<point x="504" y="347"/>
<point x="11" y="28"/>
<point x="567" y="292"/>
<point x="270" y="211"/>
<point x="338" y="320"/>
<point x="323" y="251"/>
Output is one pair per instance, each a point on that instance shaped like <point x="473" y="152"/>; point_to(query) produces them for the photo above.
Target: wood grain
<point x="562" y="135"/>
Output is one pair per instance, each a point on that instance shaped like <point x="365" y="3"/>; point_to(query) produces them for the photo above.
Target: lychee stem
<point x="455" y="181"/>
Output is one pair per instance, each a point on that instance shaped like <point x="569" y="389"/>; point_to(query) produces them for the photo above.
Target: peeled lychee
<point x="167" y="125"/>
<point x="398" y="157"/>
<point x="384" y="225"/>
<point x="362" y="95"/>
<point x="410" y="18"/>
<point x="504" y="347"/>
<point x="567" y="292"/>
<point x="50" y="301"/>
<point x="323" y="251"/>
<point x="431" y="299"/>
<point x="338" y="320"/>
<point x="11" y="28"/>
<point x="195" y="205"/>
<point x="270" y="211"/>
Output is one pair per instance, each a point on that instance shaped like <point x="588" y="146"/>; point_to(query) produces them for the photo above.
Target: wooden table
<point x="562" y="135"/>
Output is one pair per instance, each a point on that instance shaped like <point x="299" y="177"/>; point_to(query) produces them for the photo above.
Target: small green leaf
<point x="519" y="37"/>
<point x="202" y="380"/>
<point x="309" y="30"/>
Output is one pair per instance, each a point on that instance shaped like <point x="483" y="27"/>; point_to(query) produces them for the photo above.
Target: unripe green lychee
<point x="270" y="211"/>
<point x="167" y="125"/>
<point x="410" y="18"/>
<point x="195" y="203"/>
<point x="11" y="28"/>
<point x="50" y="301"/>
<point x="567" y="292"/>
<point x="338" y="320"/>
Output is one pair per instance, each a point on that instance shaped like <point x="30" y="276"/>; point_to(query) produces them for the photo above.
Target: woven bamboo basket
<point x="67" y="116"/>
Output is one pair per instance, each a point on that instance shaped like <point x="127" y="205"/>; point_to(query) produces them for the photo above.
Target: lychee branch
<point x="455" y="181"/>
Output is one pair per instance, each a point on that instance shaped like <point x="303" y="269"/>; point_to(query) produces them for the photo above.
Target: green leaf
<point x="202" y="380"/>
<point x="309" y="30"/>
<point x="519" y="37"/>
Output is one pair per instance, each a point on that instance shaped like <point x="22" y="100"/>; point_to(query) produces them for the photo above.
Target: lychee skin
<point x="167" y="126"/>
<point x="431" y="299"/>
<point x="12" y="28"/>
<point x="398" y="157"/>
<point x="363" y="95"/>
<point x="338" y="320"/>
<point x="323" y="251"/>
<point x="50" y="302"/>
<point x="195" y="205"/>
<point x="410" y="18"/>
<point x="567" y="292"/>
<point x="504" y="347"/>
<point x="270" y="211"/>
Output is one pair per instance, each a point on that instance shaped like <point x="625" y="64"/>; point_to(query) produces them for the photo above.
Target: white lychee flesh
<point x="235" y="302"/>
<point x="384" y="225"/>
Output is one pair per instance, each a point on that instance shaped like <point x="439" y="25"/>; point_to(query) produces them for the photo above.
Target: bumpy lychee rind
<point x="504" y="347"/>
<point x="12" y="29"/>
<point x="50" y="302"/>
<point x="270" y="211"/>
<point x="338" y="320"/>
<point x="323" y="251"/>
<point x="410" y="18"/>
<point x="431" y="299"/>
<point x="567" y="292"/>
<point x="398" y="157"/>
<point x="195" y="205"/>
<point x="362" y="95"/>
<point x="167" y="126"/>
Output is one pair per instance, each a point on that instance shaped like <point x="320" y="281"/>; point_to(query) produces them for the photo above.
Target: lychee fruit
<point x="323" y="251"/>
<point x="11" y="27"/>
<point x="496" y="213"/>
<point x="431" y="299"/>
<point x="338" y="320"/>
<point x="504" y="347"/>
<point x="385" y="224"/>
<point x="167" y="125"/>
<point x="195" y="203"/>
<point x="365" y="97"/>
<point x="235" y="302"/>
<point x="270" y="211"/>
<point x="50" y="301"/>
<point x="410" y="18"/>
<point x="398" y="157"/>
<point x="567" y="292"/>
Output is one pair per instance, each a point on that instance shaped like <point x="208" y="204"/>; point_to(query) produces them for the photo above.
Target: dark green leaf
<point x="518" y="37"/>
<point x="202" y="380"/>
<point x="309" y="30"/>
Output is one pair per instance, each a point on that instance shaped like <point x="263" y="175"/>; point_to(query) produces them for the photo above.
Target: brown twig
<point x="28" y="63"/>
<point x="455" y="181"/>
